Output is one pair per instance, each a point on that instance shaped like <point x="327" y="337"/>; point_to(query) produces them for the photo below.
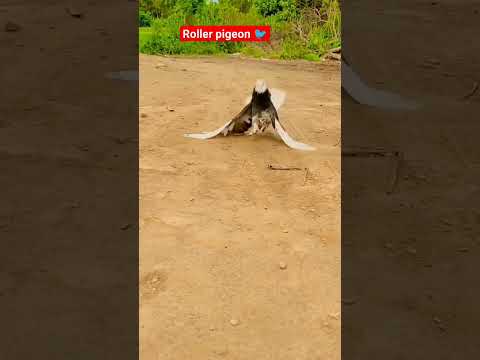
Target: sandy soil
<point x="216" y="224"/>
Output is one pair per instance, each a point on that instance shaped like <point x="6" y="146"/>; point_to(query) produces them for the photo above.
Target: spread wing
<point x="287" y="139"/>
<point x="239" y="123"/>
<point x="211" y="134"/>
<point x="364" y="94"/>
<point x="277" y="98"/>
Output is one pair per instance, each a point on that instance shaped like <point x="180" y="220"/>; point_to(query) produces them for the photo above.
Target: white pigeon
<point x="257" y="115"/>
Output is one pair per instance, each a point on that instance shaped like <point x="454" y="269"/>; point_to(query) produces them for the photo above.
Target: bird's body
<point x="261" y="122"/>
<point x="256" y="116"/>
<point x="263" y="109"/>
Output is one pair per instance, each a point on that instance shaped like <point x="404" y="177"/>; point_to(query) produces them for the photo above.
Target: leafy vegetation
<point x="145" y="18"/>
<point x="301" y="29"/>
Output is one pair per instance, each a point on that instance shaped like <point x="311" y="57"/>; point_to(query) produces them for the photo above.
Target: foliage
<point x="188" y="7"/>
<point x="145" y="34"/>
<point x="284" y="8"/>
<point x="145" y="18"/>
<point x="267" y="7"/>
<point x="242" y="5"/>
<point x="304" y="29"/>
<point x="158" y="8"/>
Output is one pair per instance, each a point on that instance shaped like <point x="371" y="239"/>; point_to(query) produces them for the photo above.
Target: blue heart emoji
<point x="259" y="34"/>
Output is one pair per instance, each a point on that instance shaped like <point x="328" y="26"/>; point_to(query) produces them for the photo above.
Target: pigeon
<point x="259" y="112"/>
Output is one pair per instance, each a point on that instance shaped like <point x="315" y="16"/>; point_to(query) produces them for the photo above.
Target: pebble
<point x="221" y="352"/>
<point x="439" y="323"/>
<point x="12" y="27"/>
<point x="285" y="231"/>
<point x="74" y="12"/>
<point x="433" y="61"/>
<point x="446" y="222"/>
<point x="234" y="322"/>
<point x="282" y="265"/>
<point x="126" y="226"/>
<point x="412" y="250"/>
<point x="334" y="315"/>
<point x="349" y="301"/>
<point x="75" y="205"/>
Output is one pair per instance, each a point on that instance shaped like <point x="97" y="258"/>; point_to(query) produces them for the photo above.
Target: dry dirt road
<point x="218" y="228"/>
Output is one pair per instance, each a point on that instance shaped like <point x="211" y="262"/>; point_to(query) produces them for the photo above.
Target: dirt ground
<point x="409" y="259"/>
<point x="238" y="261"/>
<point x="64" y="165"/>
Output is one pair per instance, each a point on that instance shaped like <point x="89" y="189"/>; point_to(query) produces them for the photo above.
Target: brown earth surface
<point x="68" y="178"/>
<point x="238" y="261"/>
<point x="409" y="259"/>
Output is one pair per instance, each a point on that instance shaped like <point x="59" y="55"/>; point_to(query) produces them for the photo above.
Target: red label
<point x="225" y="33"/>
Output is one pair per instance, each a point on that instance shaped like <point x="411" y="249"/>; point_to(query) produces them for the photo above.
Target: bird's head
<point x="260" y="86"/>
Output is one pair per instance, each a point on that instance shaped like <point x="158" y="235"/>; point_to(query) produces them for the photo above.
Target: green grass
<point x="305" y="34"/>
<point x="145" y="35"/>
<point x="253" y="51"/>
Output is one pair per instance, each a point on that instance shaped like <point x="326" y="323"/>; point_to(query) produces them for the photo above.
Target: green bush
<point x="242" y="5"/>
<point x="268" y="7"/>
<point x="188" y="7"/>
<point x="165" y="39"/>
<point x="287" y="8"/>
<point x="292" y="49"/>
<point x="145" y="18"/>
<point x="301" y="29"/>
<point x="158" y="8"/>
<point x="253" y="51"/>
